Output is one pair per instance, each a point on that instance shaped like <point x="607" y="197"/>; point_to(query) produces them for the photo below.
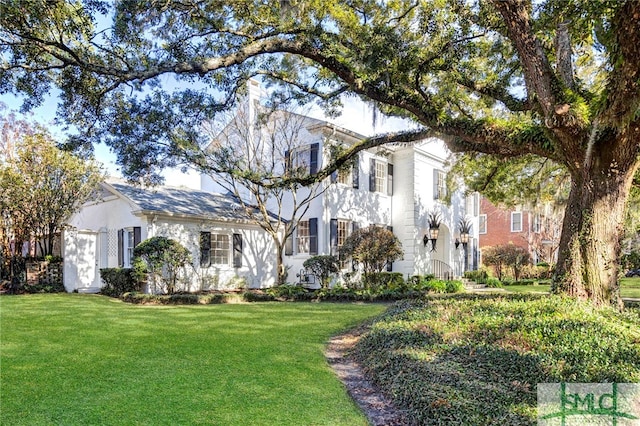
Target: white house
<point x="393" y="186"/>
<point x="228" y="250"/>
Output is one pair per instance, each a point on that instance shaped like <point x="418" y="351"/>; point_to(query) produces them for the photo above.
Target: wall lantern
<point x="433" y="220"/>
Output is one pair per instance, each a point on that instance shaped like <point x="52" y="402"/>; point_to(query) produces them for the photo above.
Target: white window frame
<point x="129" y="245"/>
<point x="380" y="176"/>
<point x="536" y="226"/>
<point x="303" y="237"/>
<point x="513" y="228"/>
<point x="345" y="177"/>
<point x="482" y="224"/>
<point x="220" y="251"/>
<point x="344" y="230"/>
<point x="301" y="158"/>
<point x="441" y="185"/>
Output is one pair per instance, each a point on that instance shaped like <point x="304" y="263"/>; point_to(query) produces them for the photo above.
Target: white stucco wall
<point x="91" y="243"/>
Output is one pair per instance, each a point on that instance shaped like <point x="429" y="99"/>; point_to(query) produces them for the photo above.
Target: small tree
<point x="163" y="255"/>
<point x="322" y="266"/>
<point x="506" y="256"/>
<point x="373" y="247"/>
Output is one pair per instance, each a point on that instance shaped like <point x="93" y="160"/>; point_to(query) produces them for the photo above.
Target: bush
<point x="455" y="286"/>
<point x="118" y="281"/>
<point x="493" y="283"/>
<point x="480" y="276"/>
<point x="372" y="247"/>
<point x="323" y="267"/>
<point x="384" y="281"/>
<point x="435" y="286"/>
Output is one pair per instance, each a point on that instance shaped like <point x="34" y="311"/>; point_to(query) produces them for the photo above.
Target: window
<point x="302" y="238"/>
<point x="439" y="185"/>
<point x="128" y="238"/>
<point x="516" y="221"/>
<point x="343" y="231"/>
<point x="344" y="227"/>
<point x="345" y="177"/>
<point x="303" y="159"/>
<point x="380" y="177"/>
<point x="537" y="224"/>
<point x="214" y="249"/>
<point x="482" y="224"/>
<point x="219" y="249"/>
<point x="130" y="245"/>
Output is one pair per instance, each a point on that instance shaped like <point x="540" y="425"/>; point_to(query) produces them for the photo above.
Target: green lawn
<point x="81" y="359"/>
<point x="630" y="288"/>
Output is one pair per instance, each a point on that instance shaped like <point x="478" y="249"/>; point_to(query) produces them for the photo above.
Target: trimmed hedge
<point x="118" y="281"/>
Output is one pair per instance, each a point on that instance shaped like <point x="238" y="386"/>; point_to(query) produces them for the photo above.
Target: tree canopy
<point x="41" y="186"/>
<point x="557" y="79"/>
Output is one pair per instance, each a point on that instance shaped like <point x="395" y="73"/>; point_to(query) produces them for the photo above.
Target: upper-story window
<point x="516" y="221"/>
<point x="303" y="159"/>
<point x="439" y="185"/>
<point x="482" y="224"/>
<point x="380" y="177"/>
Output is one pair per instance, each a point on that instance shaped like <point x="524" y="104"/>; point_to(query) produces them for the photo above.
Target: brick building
<point x="538" y="231"/>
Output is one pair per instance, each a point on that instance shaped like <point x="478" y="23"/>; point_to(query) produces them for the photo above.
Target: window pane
<point x="303" y="237"/>
<point x="482" y="224"/>
<point x="516" y="222"/>
<point x="381" y="176"/>
<point x="220" y="249"/>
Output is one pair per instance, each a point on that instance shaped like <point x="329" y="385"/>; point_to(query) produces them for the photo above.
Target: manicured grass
<point x="80" y="359"/>
<point x="477" y="359"/>
<point x="630" y="287"/>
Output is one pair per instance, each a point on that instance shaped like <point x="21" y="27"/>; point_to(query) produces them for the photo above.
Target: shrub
<point x="455" y="286"/>
<point x="162" y="254"/>
<point x="323" y="266"/>
<point x="435" y="286"/>
<point x="384" y="280"/>
<point x="479" y="276"/>
<point x="493" y="283"/>
<point x="506" y="256"/>
<point x="118" y="281"/>
<point x="287" y="291"/>
<point x="373" y="247"/>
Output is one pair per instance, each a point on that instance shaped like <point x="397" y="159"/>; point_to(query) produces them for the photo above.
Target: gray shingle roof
<point x="183" y="202"/>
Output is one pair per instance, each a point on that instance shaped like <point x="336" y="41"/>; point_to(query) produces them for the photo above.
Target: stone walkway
<point x="380" y="411"/>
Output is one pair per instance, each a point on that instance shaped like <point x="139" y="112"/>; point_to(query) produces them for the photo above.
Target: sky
<point x="356" y="116"/>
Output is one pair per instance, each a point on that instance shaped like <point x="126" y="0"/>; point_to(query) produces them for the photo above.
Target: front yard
<point x="80" y="359"/>
<point x="629" y="288"/>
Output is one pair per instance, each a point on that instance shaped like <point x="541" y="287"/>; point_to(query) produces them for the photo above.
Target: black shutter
<point x="205" y="249"/>
<point x="333" y="236"/>
<point x="313" y="236"/>
<point x="389" y="179"/>
<point x="313" y="158"/>
<point x="390" y="264"/>
<point x="136" y="235"/>
<point x="120" y="248"/>
<point x="288" y="245"/>
<point x="355" y="172"/>
<point x="372" y="175"/>
<point x="287" y="162"/>
<point x="237" y="250"/>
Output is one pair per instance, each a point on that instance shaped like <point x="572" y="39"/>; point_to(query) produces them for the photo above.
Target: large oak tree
<point x="556" y="78"/>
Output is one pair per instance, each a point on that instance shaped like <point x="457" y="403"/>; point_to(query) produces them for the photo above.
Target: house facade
<point x="395" y="187"/>
<point x="535" y="230"/>
<point x="227" y="249"/>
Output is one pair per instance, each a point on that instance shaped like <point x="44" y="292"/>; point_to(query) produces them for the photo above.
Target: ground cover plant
<point x="476" y="359"/>
<point x="89" y="359"/>
<point x="629" y="288"/>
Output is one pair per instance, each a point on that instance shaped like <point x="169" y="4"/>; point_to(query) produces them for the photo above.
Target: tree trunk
<point x="280" y="266"/>
<point x="588" y="261"/>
